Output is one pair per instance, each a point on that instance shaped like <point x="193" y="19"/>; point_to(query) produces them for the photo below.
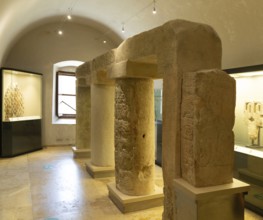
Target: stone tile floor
<point x="51" y="185"/>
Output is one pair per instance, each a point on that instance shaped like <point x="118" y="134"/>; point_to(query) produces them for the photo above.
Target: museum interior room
<point x="137" y="110"/>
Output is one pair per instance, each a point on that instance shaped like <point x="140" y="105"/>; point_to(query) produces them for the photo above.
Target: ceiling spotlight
<point x="122" y="28"/>
<point x="69" y="17"/>
<point x="154" y="11"/>
<point x="154" y="7"/>
<point x="104" y="41"/>
<point x="60" y="32"/>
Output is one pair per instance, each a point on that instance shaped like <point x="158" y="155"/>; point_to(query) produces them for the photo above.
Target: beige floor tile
<point x="22" y="213"/>
<point x="16" y="198"/>
<point x="51" y="184"/>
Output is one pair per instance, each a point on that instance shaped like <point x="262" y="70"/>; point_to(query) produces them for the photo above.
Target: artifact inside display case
<point x="158" y="97"/>
<point x="248" y="132"/>
<point x="253" y="112"/>
<point x="21" y="97"/>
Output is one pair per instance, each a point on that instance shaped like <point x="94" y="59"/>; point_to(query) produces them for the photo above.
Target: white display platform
<point x="25" y="118"/>
<point x="256" y="152"/>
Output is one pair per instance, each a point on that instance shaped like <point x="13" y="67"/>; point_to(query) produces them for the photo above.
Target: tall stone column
<point x="134" y="188"/>
<point x="102" y="127"/>
<point x="82" y="148"/>
<point x="134" y="136"/>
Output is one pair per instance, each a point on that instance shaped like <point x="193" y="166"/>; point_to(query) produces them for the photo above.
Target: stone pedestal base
<point x="81" y="153"/>
<point x="217" y="202"/>
<point x="127" y="203"/>
<point x="100" y="172"/>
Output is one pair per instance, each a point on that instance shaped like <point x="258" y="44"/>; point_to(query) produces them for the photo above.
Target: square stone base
<point x="81" y="153"/>
<point x="100" y="172"/>
<point x="217" y="202"/>
<point x="126" y="203"/>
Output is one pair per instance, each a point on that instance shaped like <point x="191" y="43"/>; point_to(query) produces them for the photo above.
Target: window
<point x="65" y="94"/>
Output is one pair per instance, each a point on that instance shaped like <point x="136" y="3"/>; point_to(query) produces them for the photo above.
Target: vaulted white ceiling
<point x="238" y="22"/>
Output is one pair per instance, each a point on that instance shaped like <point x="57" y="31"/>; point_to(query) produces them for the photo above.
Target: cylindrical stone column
<point x="134" y="136"/>
<point x="102" y="125"/>
<point x="83" y="115"/>
<point x="82" y="148"/>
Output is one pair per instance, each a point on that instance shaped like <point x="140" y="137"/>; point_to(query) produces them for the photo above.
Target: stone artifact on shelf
<point x="13" y="102"/>
<point x="254" y="118"/>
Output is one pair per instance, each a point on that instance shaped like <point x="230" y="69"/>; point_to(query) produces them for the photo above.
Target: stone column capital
<point x="133" y="69"/>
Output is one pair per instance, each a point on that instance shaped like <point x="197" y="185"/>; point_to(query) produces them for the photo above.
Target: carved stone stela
<point x="207" y="139"/>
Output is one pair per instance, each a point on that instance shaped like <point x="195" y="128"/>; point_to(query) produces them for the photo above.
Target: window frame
<point x="63" y="73"/>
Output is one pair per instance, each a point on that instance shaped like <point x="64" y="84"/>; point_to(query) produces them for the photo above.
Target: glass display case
<point x="158" y="94"/>
<point x="21" y="102"/>
<point x="248" y="132"/>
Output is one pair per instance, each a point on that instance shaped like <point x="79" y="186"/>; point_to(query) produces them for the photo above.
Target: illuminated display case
<point x="249" y="133"/>
<point x="21" y="102"/>
<point x="158" y="125"/>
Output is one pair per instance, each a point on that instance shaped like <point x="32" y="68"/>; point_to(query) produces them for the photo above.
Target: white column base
<point x="81" y="153"/>
<point x="100" y="172"/>
<point x="126" y="203"/>
<point x="216" y="202"/>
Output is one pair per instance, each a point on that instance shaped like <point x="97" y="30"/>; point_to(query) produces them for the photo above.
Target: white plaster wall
<point x="39" y="49"/>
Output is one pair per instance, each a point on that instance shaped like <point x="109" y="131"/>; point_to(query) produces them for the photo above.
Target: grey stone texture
<point x="134" y="136"/>
<point x="83" y="117"/>
<point x="83" y="106"/>
<point x="83" y="72"/>
<point x="207" y="120"/>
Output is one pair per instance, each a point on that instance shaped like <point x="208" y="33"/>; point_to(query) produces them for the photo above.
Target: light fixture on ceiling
<point x="154" y="7"/>
<point x="122" y="28"/>
<point x="154" y="11"/>
<point x="104" y="41"/>
<point x="69" y="17"/>
<point x="60" y="32"/>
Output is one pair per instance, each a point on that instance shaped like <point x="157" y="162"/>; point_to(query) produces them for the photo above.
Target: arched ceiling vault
<point x="238" y="22"/>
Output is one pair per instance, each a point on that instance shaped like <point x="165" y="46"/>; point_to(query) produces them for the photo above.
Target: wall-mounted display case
<point x="21" y="105"/>
<point x="248" y="132"/>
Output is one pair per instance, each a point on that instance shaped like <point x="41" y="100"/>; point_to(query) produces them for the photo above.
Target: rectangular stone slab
<point x="130" y="69"/>
<point x="207" y="119"/>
